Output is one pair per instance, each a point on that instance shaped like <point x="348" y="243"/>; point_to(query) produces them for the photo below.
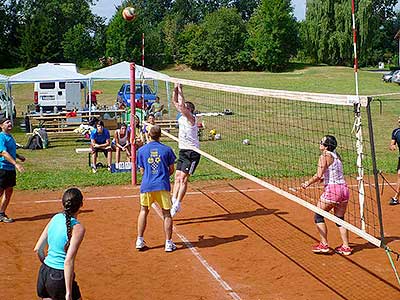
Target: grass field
<point x="59" y="166"/>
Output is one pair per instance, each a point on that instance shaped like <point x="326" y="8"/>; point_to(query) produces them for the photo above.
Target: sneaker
<point x="320" y="248"/>
<point x="140" y="244"/>
<point x="393" y="201"/>
<point x="170" y="246"/>
<point x="343" y="250"/>
<point x="5" y="219"/>
<point x="94" y="169"/>
<point x="176" y="207"/>
<point x="109" y="168"/>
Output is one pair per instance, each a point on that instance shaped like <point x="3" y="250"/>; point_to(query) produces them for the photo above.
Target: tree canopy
<point x="215" y="35"/>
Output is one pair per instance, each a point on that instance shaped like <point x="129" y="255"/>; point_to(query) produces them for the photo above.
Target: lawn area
<point x="59" y="166"/>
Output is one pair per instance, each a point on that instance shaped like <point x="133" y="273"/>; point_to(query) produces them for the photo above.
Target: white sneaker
<point x="170" y="246"/>
<point x="176" y="207"/>
<point x="140" y="244"/>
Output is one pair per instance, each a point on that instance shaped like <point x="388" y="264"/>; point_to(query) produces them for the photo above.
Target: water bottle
<point x="41" y="110"/>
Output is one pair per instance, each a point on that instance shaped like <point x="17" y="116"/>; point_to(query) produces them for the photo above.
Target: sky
<point x="106" y="8"/>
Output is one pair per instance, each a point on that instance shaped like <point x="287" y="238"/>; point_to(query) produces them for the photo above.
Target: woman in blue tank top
<point x="63" y="235"/>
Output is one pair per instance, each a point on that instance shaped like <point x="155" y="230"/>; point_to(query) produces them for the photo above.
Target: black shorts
<point x="7" y="178"/>
<point x="188" y="161"/>
<point x="101" y="150"/>
<point x="51" y="284"/>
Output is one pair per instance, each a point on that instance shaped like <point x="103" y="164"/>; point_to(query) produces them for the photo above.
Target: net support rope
<point x="360" y="178"/>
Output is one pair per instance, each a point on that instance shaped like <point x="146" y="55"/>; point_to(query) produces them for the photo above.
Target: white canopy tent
<point x="121" y="71"/>
<point x="46" y="72"/>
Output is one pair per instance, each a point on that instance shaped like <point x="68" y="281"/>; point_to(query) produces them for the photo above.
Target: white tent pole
<point x="90" y="97"/>
<point x="168" y="99"/>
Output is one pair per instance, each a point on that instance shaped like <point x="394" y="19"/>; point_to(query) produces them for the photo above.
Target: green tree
<point x="375" y="18"/>
<point x="124" y="38"/>
<point x="77" y="44"/>
<point x="45" y="25"/>
<point x="327" y="31"/>
<point x="273" y="35"/>
<point x="217" y="43"/>
<point x="9" y="25"/>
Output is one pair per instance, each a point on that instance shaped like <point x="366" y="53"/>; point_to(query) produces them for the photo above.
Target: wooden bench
<point x="167" y="125"/>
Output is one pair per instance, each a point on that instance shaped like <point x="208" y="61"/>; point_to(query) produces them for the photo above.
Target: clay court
<point x="235" y="240"/>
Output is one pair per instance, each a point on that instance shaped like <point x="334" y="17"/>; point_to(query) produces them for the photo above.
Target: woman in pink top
<point x="335" y="195"/>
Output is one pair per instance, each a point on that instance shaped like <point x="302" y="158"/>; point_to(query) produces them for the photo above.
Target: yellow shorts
<point x="163" y="198"/>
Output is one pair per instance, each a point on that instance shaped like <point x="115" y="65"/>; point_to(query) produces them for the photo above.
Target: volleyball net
<point x="272" y="137"/>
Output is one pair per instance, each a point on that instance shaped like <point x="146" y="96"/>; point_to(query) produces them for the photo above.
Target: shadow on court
<point x="46" y="216"/>
<point x="213" y="240"/>
<point x="202" y="242"/>
<point x="230" y="216"/>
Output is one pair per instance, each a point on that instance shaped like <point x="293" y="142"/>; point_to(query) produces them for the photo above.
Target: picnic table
<point x="58" y="122"/>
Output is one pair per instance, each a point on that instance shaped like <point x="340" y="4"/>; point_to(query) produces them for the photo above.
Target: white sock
<point x="174" y="200"/>
<point x="140" y="239"/>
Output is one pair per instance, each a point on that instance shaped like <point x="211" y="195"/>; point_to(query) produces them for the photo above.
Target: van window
<point x="61" y="85"/>
<point x="47" y="85"/>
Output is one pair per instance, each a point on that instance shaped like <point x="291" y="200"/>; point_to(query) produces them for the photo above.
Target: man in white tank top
<point x="188" y="139"/>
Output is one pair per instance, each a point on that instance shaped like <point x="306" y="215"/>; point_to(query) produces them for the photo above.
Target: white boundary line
<point x="205" y="264"/>
<point x="102" y="198"/>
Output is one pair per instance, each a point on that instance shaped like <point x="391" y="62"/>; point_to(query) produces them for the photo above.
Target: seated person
<point x="146" y="128"/>
<point x="100" y="142"/>
<point x="157" y="109"/>
<point x="121" y="142"/>
<point x="138" y="136"/>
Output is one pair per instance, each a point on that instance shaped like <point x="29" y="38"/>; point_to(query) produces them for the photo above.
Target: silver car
<point x="396" y="77"/>
<point x="387" y="77"/>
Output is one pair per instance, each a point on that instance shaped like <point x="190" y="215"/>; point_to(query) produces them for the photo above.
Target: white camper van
<point x="48" y="95"/>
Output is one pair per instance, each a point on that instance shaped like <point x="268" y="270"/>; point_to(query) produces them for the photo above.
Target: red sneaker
<point x="320" y="248"/>
<point x="343" y="250"/>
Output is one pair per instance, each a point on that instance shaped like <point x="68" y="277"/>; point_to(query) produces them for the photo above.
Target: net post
<point x="360" y="153"/>
<point x="375" y="170"/>
<point x="133" y="123"/>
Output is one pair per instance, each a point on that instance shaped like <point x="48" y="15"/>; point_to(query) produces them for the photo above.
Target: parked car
<point x="387" y="77"/>
<point x="396" y="77"/>
<point x="7" y="102"/>
<point x="124" y="95"/>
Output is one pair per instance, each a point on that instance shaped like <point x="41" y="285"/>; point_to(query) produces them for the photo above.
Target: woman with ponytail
<point x="63" y="235"/>
<point x="335" y="195"/>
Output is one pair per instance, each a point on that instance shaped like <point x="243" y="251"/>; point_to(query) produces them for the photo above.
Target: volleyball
<point x="246" y="142"/>
<point x="129" y="14"/>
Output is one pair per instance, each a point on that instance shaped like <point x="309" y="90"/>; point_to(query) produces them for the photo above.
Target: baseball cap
<point x="3" y="118"/>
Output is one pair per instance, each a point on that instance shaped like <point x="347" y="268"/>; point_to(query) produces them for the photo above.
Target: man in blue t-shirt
<point x="396" y="140"/>
<point x="156" y="163"/>
<point x="100" y="142"/>
<point x="8" y="164"/>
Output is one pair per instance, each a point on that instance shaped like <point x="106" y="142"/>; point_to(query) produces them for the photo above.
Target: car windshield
<point x="147" y="89"/>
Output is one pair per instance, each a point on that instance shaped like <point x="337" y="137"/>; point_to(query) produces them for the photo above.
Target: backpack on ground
<point x="34" y="142"/>
<point x="38" y="140"/>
